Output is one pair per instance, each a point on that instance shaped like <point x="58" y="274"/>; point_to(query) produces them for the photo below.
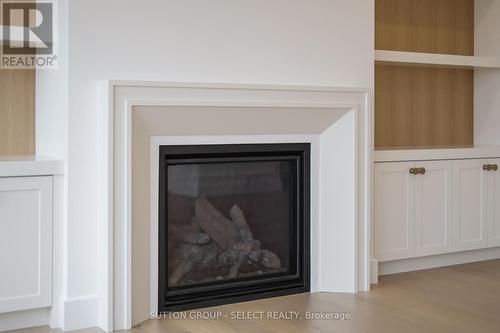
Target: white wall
<point x="487" y="81"/>
<point x="52" y="140"/>
<point x="303" y="42"/>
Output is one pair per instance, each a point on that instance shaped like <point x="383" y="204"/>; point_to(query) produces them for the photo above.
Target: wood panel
<point x="423" y="107"/>
<point x="17" y="112"/>
<point x="431" y="26"/>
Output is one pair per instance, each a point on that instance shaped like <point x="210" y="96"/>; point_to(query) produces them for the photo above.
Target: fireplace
<point x="233" y="223"/>
<point x="142" y="116"/>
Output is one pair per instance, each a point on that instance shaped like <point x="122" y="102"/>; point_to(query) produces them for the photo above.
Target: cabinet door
<point x="469" y="205"/>
<point x="394" y="188"/>
<point x="25" y="243"/>
<point x="433" y="205"/>
<point x="494" y="205"/>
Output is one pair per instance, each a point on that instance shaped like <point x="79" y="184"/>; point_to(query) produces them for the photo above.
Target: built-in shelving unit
<point x="433" y="59"/>
<point x="437" y="74"/>
<point x="17" y="105"/>
<point x="437" y="137"/>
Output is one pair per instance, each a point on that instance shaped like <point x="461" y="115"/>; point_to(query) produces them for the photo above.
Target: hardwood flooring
<point x="464" y="298"/>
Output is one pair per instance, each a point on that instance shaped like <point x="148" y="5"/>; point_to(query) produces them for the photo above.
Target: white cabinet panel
<point x="25" y="243"/>
<point x="494" y="204"/>
<point x="433" y="205"/>
<point x="470" y="205"/>
<point x="394" y="188"/>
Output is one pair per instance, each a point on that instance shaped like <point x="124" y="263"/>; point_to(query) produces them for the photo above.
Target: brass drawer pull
<point x="490" y="167"/>
<point x="417" y="171"/>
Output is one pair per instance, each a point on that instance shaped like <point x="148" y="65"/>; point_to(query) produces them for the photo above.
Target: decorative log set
<point x="213" y="247"/>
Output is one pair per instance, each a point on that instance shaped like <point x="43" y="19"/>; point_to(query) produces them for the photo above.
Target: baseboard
<point x="81" y="312"/>
<point x="442" y="260"/>
<point x="24" y="319"/>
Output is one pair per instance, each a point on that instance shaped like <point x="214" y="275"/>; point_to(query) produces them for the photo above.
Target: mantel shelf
<point x="432" y="59"/>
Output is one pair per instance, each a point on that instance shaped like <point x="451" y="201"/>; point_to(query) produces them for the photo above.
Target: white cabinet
<point x="412" y="211"/>
<point x="25" y="243"/>
<point x="470" y="205"/>
<point x="394" y="188"/>
<point x="433" y="208"/>
<point x="493" y="203"/>
<point x="445" y="206"/>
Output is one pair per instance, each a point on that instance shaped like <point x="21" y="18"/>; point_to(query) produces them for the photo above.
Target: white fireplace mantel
<point x="341" y="264"/>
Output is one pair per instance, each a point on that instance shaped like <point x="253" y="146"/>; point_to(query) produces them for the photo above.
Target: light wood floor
<point x="455" y="299"/>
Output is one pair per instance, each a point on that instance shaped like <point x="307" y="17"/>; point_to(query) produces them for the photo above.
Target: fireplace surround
<point x="233" y="223"/>
<point x="139" y="116"/>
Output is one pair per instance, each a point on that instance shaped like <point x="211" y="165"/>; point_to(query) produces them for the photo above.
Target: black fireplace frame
<point x="210" y="294"/>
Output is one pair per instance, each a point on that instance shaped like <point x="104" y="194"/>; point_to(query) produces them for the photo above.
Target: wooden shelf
<point x="433" y="59"/>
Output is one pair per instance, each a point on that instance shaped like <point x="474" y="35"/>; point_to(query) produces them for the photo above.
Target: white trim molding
<point x="79" y="312"/>
<point x="440" y="260"/>
<point x="118" y="100"/>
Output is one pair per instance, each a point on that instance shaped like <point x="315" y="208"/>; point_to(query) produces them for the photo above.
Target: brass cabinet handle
<point x="490" y="167"/>
<point x="417" y="171"/>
